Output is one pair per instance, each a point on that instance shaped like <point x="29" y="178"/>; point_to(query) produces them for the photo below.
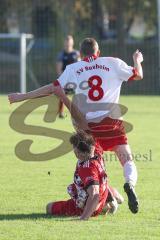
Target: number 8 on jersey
<point x="96" y="92"/>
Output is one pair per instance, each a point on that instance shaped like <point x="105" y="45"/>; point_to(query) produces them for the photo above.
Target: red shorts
<point x="109" y="133"/>
<point x="66" y="208"/>
<point x="69" y="208"/>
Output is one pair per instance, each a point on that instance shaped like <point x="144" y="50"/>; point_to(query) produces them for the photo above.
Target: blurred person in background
<point x="65" y="57"/>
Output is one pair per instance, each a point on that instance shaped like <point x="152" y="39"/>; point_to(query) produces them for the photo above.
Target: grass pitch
<point x="26" y="187"/>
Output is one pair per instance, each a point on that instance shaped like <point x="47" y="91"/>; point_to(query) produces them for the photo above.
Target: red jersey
<point x="92" y="172"/>
<point x="87" y="173"/>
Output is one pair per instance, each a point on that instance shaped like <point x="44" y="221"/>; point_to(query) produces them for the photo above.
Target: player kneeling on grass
<point x="90" y="193"/>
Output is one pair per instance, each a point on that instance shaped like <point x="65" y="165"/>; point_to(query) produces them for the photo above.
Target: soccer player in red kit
<point x="98" y="80"/>
<point x="90" y="193"/>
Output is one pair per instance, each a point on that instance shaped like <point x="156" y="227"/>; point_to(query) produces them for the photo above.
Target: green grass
<point x="26" y="187"/>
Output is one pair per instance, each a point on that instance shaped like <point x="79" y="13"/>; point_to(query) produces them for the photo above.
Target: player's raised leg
<point x="124" y="154"/>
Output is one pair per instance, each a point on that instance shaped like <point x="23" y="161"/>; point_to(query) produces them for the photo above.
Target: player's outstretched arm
<point x="79" y="119"/>
<point x="40" y="92"/>
<point x="138" y="59"/>
<point x="92" y="202"/>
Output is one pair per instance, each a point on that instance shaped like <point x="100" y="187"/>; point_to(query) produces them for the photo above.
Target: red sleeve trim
<point x="135" y="73"/>
<point x="56" y="83"/>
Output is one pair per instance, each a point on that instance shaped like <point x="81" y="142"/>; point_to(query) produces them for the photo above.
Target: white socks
<point x="130" y="172"/>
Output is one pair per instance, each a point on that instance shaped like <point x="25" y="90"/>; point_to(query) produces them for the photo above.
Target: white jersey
<point x="99" y="80"/>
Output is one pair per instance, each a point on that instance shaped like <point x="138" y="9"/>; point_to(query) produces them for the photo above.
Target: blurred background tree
<point x="120" y="26"/>
<point x="102" y="18"/>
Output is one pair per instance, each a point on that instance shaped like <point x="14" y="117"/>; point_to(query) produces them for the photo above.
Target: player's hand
<point x="137" y="56"/>
<point x="15" y="97"/>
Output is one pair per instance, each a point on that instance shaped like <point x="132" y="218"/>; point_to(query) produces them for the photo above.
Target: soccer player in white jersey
<point x="99" y="80"/>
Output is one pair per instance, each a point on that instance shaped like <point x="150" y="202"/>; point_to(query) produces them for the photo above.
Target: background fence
<point x="120" y="27"/>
